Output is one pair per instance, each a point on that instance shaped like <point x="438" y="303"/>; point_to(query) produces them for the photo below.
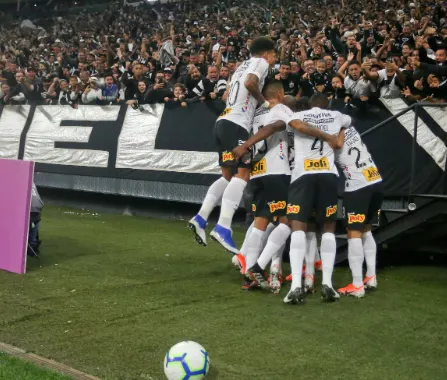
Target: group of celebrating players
<point x="290" y="159"/>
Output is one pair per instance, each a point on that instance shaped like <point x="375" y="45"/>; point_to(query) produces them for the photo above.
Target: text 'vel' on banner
<point x="16" y="181"/>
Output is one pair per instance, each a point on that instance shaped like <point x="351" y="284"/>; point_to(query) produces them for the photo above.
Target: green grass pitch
<point x="111" y="294"/>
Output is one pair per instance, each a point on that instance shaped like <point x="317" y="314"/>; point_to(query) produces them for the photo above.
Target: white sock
<point x="275" y="241"/>
<point x="297" y="252"/>
<point x="355" y="257"/>
<point x="277" y="258"/>
<point x="213" y="195"/>
<point x="231" y="199"/>
<point x="328" y="250"/>
<point x="271" y="227"/>
<point x="243" y="249"/>
<point x="254" y="246"/>
<point x="311" y="250"/>
<point x="370" y="249"/>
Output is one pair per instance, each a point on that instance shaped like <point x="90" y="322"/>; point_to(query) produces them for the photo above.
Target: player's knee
<point x="355" y="234"/>
<point x="261" y="223"/>
<point x="227" y="173"/>
<point x="243" y="173"/>
<point x="329" y="227"/>
<point x="296" y="225"/>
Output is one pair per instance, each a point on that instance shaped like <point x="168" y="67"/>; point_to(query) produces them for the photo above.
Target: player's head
<point x="274" y="90"/>
<point x="263" y="47"/>
<point x="290" y="101"/>
<point x="302" y="104"/>
<point x="319" y="100"/>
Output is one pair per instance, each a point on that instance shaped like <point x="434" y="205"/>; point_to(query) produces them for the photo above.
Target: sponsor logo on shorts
<point x="331" y="210"/>
<point x="315" y="165"/>
<point x="275" y="206"/>
<point x="259" y="167"/>
<point x="227" y="156"/>
<point x="371" y="174"/>
<point x="253" y="207"/>
<point x="356" y="218"/>
<point x="293" y="209"/>
<point x="225" y="112"/>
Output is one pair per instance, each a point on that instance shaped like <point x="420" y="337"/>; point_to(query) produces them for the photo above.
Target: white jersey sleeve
<point x="275" y="160"/>
<point x="313" y="156"/>
<point x="356" y="162"/>
<point x="241" y="105"/>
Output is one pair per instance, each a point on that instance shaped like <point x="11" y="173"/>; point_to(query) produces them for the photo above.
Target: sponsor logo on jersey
<point x="356" y="218"/>
<point x="247" y="101"/>
<point x="293" y="209"/>
<point x="281" y="150"/>
<point x="259" y="167"/>
<point x="371" y="174"/>
<point x="315" y="165"/>
<point x="253" y="207"/>
<point x="225" y="112"/>
<point x="227" y="156"/>
<point x="275" y="206"/>
<point x="331" y="210"/>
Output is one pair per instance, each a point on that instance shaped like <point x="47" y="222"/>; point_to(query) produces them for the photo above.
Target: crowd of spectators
<point x="178" y="52"/>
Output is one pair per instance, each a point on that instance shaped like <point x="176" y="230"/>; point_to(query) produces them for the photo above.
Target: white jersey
<point x="241" y="105"/>
<point x="356" y="162"/>
<point x="313" y="156"/>
<point x="272" y="154"/>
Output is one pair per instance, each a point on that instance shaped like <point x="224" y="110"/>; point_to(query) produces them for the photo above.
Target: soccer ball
<point x="186" y="361"/>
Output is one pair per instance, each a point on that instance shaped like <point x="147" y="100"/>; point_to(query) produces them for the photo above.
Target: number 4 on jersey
<point x="317" y="145"/>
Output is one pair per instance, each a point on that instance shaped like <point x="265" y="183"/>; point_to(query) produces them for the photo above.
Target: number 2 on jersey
<point x="317" y="145"/>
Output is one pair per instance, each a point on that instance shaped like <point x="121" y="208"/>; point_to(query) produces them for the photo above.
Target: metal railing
<point x="416" y="107"/>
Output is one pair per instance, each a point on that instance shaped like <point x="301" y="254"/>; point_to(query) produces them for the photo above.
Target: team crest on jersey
<point x="275" y="206"/>
<point x="356" y="218"/>
<point x="331" y="210"/>
<point x="227" y="156"/>
<point x="293" y="209"/>
<point x="315" y="165"/>
<point x="371" y="174"/>
<point x="291" y="85"/>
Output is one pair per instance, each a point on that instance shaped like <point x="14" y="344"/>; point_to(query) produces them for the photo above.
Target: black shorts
<point x="228" y="136"/>
<point x="362" y="206"/>
<point x="270" y="195"/>
<point x="313" y="192"/>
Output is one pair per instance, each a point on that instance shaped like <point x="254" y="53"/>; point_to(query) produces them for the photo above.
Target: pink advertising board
<point x="16" y="181"/>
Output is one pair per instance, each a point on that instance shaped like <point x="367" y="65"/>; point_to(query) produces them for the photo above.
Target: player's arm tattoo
<point x="252" y="85"/>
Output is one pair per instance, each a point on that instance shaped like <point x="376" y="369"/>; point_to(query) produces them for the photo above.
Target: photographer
<point x="160" y="90"/>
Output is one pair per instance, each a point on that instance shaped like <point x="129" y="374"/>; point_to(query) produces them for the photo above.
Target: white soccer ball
<point x="186" y="361"/>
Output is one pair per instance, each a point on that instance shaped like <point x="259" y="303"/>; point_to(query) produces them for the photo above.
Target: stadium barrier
<point x="168" y="153"/>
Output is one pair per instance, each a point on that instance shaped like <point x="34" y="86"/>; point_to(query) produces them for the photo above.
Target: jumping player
<point x="362" y="202"/>
<point x="232" y="129"/>
<point x="314" y="186"/>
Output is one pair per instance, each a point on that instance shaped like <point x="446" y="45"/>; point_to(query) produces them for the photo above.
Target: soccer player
<point x="271" y="175"/>
<point x="314" y="186"/>
<point x="232" y="129"/>
<point x="362" y="202"/>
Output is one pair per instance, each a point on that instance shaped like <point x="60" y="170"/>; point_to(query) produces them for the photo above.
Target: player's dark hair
<point x="302" y="104"/>
<point x="261" y="45"/>
<point x="271" y="88"/>
<point x="319" y="100"/>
